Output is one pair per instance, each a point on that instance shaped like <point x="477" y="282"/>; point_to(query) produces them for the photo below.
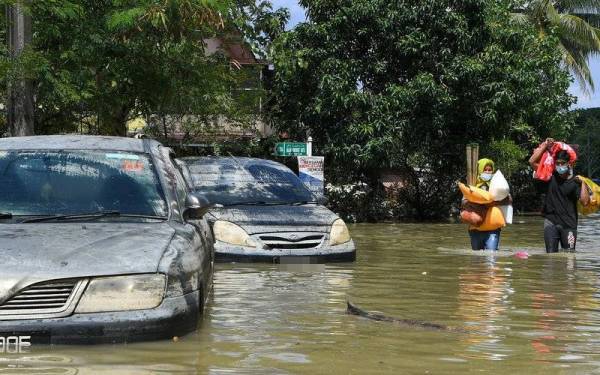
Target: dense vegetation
<point x="405" y="85"/>
<point x="98" y="63"/>
<point x="382" y="86"/>
<point x="574" y="23"/>
<point x="586" y="136"/>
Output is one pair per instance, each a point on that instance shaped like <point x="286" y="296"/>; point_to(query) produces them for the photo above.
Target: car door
<point x="201" y="226"/>
<point x="204" y="225"/>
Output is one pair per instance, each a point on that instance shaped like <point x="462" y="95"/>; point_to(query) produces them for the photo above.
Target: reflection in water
<point x="484" y="292"/>
<point x="260" y="315"/>
<point x="540" y="314"/>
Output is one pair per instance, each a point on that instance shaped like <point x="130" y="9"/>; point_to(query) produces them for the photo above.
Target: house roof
<point x="235" y="48"/>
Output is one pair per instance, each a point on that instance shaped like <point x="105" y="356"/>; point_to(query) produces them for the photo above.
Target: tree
<point x="585" y="135"/>
<point x="405" y="85"/>
<point x="20" y="90"/>
<point x="110" y="60"/>
<point x="4" y="67"/>
<point x="98" y="63"/>
<point x="260" y="23"/>
<point x="575" y="23"/>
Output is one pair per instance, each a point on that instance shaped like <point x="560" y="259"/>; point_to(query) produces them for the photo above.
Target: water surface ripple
<point x="535" y="315"/>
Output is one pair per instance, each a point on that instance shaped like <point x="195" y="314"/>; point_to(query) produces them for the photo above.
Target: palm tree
<point x="576" y="24"/>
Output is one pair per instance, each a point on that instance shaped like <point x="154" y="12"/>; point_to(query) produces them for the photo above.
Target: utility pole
<point x="20" y="90"/>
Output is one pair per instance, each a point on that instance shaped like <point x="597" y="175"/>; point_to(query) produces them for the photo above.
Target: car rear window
<point x="228" y="181"/>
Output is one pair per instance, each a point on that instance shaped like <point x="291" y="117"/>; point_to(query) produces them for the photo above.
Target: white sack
<point x="499" y="187"/>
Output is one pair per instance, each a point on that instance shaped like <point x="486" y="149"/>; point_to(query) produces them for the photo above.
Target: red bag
<point x="546" y="167"/>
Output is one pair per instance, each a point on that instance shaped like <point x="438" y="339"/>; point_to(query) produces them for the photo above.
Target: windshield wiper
<point x="301" y="203"/>
<point x="91" y="215"/>
<point x="5" y="215"/>
<point x="256" y="203"/>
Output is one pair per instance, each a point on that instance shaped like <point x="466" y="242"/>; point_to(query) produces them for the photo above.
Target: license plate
<point x="17" y="342"/>
<point x="301" y="264"/>
<point x="296" y="260"/>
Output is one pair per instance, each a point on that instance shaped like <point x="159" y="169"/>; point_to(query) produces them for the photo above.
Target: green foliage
<point x="574" y="22"/>
<point x="358" y="202"/>
<point x="4" y="68"/>
<point x="259" y="20"/>
<point x="98" y="63"/>
<point x="586" y="135"/>
<point x="507" y="155"/>
<point x="125" y="19"/>
<point x="176" y="18"/>
<point x="254" y="147"/>
<point x="512" y="160"/>
<point x="405" y="85"/>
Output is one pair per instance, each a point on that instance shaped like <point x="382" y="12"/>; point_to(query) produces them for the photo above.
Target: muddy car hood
<point x="31" y="253"/>
<point x="251" y="217"/>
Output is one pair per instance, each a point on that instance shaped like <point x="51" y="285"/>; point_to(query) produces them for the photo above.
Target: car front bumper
<point x="340" y="253"/>
<point x="175" y="316"/>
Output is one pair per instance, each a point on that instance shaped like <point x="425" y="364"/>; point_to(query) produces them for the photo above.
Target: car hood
<point x="45" y="251"/>
<point x="251" y="217"/>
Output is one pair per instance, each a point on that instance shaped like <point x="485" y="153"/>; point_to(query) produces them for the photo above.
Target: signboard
<point x="290" y="149"/>
<point x="310" y="170"/>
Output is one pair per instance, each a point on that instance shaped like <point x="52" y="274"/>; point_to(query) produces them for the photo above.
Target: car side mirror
<point x="196" y="206"/>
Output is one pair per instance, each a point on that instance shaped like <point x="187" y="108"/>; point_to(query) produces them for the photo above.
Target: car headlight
<point x="339" y="233"/>
<point x="232" y="234"/>
<point x="121" y="293"/>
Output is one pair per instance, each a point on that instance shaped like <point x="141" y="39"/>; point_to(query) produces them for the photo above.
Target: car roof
<point x="225" y="160"/>
<point x="77" y="142"/>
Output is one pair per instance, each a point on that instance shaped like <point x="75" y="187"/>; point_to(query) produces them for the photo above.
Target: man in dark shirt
<point x="560" y="205"/>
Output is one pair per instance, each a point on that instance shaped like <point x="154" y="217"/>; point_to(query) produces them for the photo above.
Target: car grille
<point x="293" y="241"/>
<point x="46" y="299"/>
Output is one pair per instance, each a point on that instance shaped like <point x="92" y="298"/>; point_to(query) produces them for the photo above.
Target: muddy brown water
<point x="535" y="315"/>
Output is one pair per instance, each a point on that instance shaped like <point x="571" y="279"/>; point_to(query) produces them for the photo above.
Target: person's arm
<point x="584" y="194"/>
<point x="538" y="152"/>
<point x="504" y="202"/>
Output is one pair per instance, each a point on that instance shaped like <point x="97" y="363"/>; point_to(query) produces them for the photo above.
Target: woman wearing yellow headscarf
<point x="485" y="171"/>
<point x="485" y="240"/>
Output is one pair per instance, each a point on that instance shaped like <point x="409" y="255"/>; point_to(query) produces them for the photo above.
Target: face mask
<point x="486" y="176"/>
<point x="562" y="169"/>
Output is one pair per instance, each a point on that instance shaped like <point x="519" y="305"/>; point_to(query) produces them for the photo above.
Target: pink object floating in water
<point x="521" y="255"/>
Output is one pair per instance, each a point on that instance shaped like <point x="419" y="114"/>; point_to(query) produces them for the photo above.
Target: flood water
<point x="509" y="315"/>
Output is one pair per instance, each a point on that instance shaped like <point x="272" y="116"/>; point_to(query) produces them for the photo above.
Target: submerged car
<point x="100" y="241"/>
<point x="265" y="213"/>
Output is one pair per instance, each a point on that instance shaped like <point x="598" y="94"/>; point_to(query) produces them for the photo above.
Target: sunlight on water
<point x="503" y="314"/>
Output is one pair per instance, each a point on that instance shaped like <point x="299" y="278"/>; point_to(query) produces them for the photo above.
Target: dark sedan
<point x="266" y="213"/>
<point x="100" y="241"/>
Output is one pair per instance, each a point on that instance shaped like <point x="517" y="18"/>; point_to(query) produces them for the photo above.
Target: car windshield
<point x="232" y="181"/>
<point x="75" y="182"/>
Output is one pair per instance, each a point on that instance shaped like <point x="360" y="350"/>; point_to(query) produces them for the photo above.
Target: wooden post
<point x="472" y="158"/>
<point x="474" y="161"/>
<point x="20" y="91"/>
<point x="469" y="165"/>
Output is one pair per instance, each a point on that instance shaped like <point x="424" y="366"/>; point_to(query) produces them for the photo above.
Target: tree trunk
<point x="20" y="92"/>
<point x="114" y="122"/>
<point x="164" y="123"/>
